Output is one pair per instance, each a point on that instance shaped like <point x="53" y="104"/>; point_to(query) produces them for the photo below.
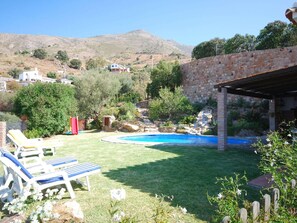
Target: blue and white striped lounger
<point x="23" y="180"/>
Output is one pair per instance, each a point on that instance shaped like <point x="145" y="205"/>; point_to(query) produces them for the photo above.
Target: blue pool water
<point x="183" y="139"/>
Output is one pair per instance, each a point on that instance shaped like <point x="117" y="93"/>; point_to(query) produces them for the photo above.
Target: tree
<point x="95" y="63"/>
<point x="62" y="56"/>
<point x="240" y="43"/>
<point x="272" y="36"/>
<point x="75" y="64"/>
<point x="170" y="105"/>
<point x="47" y="106"/>
<point x="209" y="48"/>
<point x="165" y="74"/>
<point x="51" y="75"/>
<point x="140" y="78"/>
<point x="15" y="72"/>
<point x="40" y="54"/>
<point x="94" y="90"/>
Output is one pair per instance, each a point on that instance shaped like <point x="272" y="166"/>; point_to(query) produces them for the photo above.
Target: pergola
<point x="268" y="85"/>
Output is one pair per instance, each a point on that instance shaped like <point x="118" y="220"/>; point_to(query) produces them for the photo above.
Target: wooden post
<point x="256" y="211"/>
<point x="226" y="220"/>
<point x="267" y="206"/>
<point x="243" y="215"/>
<point x="275" y="197"/>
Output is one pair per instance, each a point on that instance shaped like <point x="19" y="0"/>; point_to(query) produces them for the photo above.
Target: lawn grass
<point x="186" y="172"/>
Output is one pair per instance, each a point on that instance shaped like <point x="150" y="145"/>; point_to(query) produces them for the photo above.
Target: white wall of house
<point x="30" y="76"/>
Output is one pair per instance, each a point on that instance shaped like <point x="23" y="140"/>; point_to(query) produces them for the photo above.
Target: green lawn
<point x="187" y="173"/>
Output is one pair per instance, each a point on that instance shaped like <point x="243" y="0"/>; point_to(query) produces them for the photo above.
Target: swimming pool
<point x="183" y="139"/>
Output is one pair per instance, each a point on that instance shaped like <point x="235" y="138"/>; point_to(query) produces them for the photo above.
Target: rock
<point x="130" y="128"/>
<point x="69" y="211"/>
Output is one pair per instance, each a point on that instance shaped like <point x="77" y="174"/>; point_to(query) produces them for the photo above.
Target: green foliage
<point x="127" y="112"/>
<point x="95" y="63"/>
<point x="51" y="75"/>
<point x="133" y="97"/>
<point x="6" y="101"/>
<point x="190" y="119"/>
<point x="170" y="105"/>
<point x="164" y="75"/>
<point x="140" y="78"/>
<point x="34" y="133"/>
<point x="62" y="56"/>
<point x="94" y="90"/>
<point x="8" y="117"/>
<point x="279" y="158"/>
<point x="40" y="53"/>
<point x="240" y="43"/>
<point x="230" y="198"/>
<point x="75" y="64"/>
<point x="47" y="106"/>
<point x="209" y="48"/>
<point x="272" y="36"/>
<point x="15" y="72"/>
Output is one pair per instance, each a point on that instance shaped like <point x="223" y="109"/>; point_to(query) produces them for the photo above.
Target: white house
<point x="118" y="68"/>
<point x="30" y="76"/>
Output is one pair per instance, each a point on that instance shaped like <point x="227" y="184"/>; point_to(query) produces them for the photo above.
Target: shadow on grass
<point x="189" y="176"/>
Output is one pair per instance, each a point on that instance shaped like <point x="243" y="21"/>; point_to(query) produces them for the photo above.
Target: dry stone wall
<point x="200" y="76"/>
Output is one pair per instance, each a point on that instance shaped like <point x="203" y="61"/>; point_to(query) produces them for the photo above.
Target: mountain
<point x="135" y="48"/>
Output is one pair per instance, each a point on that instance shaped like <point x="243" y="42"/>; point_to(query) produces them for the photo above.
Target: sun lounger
<point x="24" y="180"/>
<point x="31" y="147"/>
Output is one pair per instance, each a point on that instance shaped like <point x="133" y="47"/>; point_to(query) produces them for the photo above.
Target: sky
<point x="188" y="22"/>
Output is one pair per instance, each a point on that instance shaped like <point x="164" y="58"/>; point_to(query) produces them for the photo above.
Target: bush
<point x="75" y="64"/>
<point x="15" y="72"/>
<point x="8" y="117"/>
<point x="62" y="56"/>
<point x="191" y="119"/>
<point x="40" y="54"/>
<point x="34" y="133"/>
<point x="170" y="105"/>
<point x="47" y="106"/>
<point x="6" y="101"/>
<point x="51" y="75"/>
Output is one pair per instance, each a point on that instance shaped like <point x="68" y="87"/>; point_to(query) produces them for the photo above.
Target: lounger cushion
<point x="73" y="171"/>
<point x="61" y="161"/>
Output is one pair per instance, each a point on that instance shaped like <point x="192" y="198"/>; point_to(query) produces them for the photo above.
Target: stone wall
<point x="200" y="76"/>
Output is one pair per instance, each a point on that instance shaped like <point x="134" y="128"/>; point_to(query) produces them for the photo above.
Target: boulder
<point x="69" y="211"/>
<point x="130" y="127"/>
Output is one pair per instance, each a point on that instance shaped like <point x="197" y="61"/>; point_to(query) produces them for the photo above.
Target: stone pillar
<point x="272" y="124"/>
<point x="2" y="134"/>
<point x="222" y="119"/>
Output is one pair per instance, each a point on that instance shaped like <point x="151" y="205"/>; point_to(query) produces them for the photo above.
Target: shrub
<point x="6" y="101"/>
<point x="75" y="64"/>
<point x="34" y="133"/>
<point x="51" y="75"/>
<point x="47" y="106"/>
<point x="170" y="105"/>
<point x="8" y="117"/>
<point x="62" y="56"/>
<point x="127" y="112"/>
<point x="191" y="119"/>
<point x="15" y="72"/>
<point x="40" y="54"/>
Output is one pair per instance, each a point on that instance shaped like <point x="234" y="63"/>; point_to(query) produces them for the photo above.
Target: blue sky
<point x="188" y="22"/>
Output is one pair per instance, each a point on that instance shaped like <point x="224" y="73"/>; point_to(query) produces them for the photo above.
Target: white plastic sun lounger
<point x="24" y="180"/>
<point x="31" y="147"/>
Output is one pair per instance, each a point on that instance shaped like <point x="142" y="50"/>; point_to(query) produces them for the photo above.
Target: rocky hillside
<point x="137" y="48"/>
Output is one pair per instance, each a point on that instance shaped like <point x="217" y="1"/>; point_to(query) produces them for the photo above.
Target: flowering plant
<point x="43" y="211"/>
<point x="279" y="158"/>
<point x="231" y="197"/>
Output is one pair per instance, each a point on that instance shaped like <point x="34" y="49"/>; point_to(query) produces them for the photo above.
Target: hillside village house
<point x="30" y="76"/>
<point x="118" y="68"/>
